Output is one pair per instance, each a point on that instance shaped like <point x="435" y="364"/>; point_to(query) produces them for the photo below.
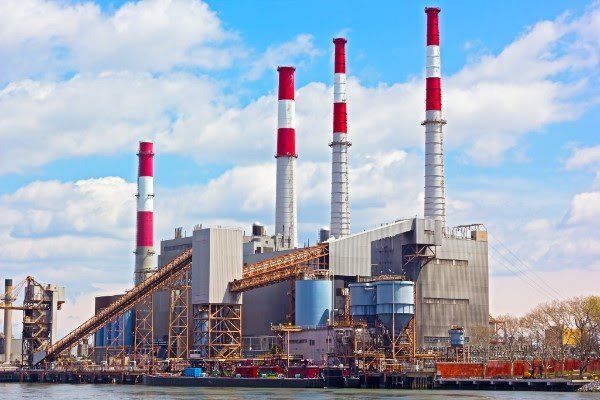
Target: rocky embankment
<point x="593" y="386"/>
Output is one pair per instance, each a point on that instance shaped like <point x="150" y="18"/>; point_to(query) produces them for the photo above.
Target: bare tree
<point x="512" y="338"/>
<point x="539" y="336"/>
<point x="585" y="314"/>
<point x="480" y="338"/>
<point x="562" y="336"/>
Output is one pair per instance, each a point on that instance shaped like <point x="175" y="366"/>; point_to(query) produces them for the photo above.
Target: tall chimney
<point x="435" y="202"/>
<point x="285" y="200"/>
<point x="340" y="208"/>
<point x="144" y="260"/>
<point x="8" y="288"/>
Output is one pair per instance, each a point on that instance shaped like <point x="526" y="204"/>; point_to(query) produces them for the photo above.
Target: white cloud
<point x="97" y="114"/>
<point x="490" y="104"/>
<point x="585" y="209"/>
<point x="39" y="37"/>
<point x="288" y="53"/>
<point x="584" y="157"/>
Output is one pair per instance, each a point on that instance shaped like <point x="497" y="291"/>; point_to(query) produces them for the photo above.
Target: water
<point x="38" y="391"/>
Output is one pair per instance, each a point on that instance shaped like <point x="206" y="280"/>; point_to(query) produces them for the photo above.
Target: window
<point x="451" y="262"/>
<point x="311" y="342"/>
<point x="177" y="247"/>
<point x="443" y="300"/>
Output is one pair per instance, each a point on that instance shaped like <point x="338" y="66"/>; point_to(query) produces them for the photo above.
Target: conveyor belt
<point x="262" y="273"/>
<point x="150" y="285"/>
<point x="278" y="269"/>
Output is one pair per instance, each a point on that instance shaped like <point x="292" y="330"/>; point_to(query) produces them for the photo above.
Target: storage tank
<point x="395" y="303"/>
<point x="314" y="301"/>
<point x="457" y="336"/>
<point x="362" y="301"/>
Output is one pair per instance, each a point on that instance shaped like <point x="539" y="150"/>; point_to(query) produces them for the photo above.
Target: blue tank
<point x="395" y="303"/>
<point x="457" y="336"/>
<point x="314" y="302"/>
<point x="362" y="301"/>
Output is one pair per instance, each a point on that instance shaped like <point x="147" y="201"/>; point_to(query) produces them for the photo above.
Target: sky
<point x="82" y="82"/>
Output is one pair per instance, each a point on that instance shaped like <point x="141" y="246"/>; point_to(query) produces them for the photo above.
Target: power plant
<point x="397" y="297"/>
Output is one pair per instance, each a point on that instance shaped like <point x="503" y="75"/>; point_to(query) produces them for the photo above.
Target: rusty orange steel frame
<point x="153" y="283"/>
<point x="279" y="269"/>
<point x="256" y="275"/>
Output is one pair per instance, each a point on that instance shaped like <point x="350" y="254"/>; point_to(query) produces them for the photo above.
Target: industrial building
<point x="449" y="266"/>
<point x="391" y="292"/>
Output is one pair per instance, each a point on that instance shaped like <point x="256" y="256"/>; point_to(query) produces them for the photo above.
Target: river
<point x="36" y="391"/>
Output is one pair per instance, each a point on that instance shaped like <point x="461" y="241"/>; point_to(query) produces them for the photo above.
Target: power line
<point x="524" y="278"/>
<point x="527" y="268"/>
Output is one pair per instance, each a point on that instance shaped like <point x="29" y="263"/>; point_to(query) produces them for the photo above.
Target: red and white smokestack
<point x="144" y="260"/>
<point x="340" y="208"/>
<point x="285" y="200"/>
<point x="435" y="202"/>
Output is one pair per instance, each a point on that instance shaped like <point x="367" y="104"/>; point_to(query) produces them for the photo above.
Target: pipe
<point x="144" y="253"/>
<point x="435" y="201"/>
<point x="285" y="197"/>
<point x="340" y="208"/>
<point x="8" y="288"/>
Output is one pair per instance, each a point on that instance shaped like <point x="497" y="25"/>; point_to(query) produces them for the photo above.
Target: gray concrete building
<point x="452" y="287"/>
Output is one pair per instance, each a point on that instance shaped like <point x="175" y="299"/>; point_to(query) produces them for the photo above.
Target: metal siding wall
<point x="160" y="304"/>
<point x="217" y="261"/>
<point x="266" y="305"/>
<point x="351" y="255"/>
<point x="228" y="266"/>
<point x="454" y="282"/>
<point x="201" y="266"/>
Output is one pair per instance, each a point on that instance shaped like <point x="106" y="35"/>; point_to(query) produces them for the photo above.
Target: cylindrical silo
<point x="314" y="301"/>
<point x="362" y="301"/>
<point x="395" y="303"/>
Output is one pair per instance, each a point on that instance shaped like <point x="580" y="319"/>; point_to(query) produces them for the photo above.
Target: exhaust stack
<point x="285" y="200"/>
<point x="340" y="208"/>
<point x="144" y="252"/>
<point x="435" y="201"/>
<point x="8" y="300"/>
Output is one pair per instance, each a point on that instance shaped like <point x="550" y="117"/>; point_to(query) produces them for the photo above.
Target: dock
<point x="544" y="385"/>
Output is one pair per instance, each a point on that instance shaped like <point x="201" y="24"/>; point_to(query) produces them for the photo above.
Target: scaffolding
<point x="39" y="320"/>
<point x="143" y="349"/>
<point x="178" y="342"/>
<point x="217" y="332"/>
<point x="355" y="346"/>
<point x="157" y="281"/>
<point x="283" y="332"/>
<point x="115" y="350"/>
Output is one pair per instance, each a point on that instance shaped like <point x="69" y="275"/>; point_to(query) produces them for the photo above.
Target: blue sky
<point x="84" y="81"/>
